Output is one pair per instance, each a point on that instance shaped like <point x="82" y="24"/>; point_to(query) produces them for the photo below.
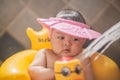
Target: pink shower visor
<point x="70" y="27"/>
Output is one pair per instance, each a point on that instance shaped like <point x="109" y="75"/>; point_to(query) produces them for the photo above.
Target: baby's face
<point x="66" y="45"/>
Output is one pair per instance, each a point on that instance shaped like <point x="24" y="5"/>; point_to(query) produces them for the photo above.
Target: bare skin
<point x="42" y="67"/>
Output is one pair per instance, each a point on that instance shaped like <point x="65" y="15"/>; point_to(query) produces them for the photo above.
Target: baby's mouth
<point x="66" y="50"/>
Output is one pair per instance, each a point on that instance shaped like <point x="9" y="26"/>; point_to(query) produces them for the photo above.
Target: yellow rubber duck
<point x="68" y="68"/>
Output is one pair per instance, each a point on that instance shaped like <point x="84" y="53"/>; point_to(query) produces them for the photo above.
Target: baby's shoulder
<point x="45" y="51"/>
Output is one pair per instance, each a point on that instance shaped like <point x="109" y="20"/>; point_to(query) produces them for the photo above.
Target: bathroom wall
<point x="17" y="15"/>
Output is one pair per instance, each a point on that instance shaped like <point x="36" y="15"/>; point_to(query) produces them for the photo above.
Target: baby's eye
<point x="61" y="37"/>
<point x="75" y="39"/>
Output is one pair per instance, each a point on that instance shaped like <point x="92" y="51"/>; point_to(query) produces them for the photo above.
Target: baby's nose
<point x="67" y="43"/>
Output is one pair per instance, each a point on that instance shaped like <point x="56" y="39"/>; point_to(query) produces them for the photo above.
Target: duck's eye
<point x="77" y="69"/>
<point x="66" y="71"/>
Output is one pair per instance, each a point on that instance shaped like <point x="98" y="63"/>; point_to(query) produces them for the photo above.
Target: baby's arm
<point x="37" y="68"/>
<point x="88" y="73"/>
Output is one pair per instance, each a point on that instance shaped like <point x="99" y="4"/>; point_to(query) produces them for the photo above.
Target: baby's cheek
<point x="57" y="50"/>
<point x="77" y="50"/>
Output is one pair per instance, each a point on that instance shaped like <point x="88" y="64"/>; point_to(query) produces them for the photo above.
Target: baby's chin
<point x="67" y="55"/>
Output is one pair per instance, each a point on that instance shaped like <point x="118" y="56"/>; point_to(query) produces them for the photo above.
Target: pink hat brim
<point x="70" y="27"/>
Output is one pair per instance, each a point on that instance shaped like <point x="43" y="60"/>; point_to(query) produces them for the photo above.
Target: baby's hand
<point x="85" y="62"/>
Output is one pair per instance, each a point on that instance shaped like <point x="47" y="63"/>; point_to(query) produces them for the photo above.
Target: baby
<point x="68" y="34"/>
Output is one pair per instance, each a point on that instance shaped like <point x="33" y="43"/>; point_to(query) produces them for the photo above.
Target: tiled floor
<point x="8" y="46"/>
<point x="17" y="15"/>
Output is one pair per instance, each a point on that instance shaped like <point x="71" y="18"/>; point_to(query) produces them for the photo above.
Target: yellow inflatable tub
<point x="16" y="67"/>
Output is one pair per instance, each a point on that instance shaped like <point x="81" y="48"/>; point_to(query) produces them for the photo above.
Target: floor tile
<point x="18" y="27"/>
<point x="110" y="17"/>
<point x="117" y="4"/>
<point x="89" y="8"/>
<point x="9" y="46"/>
<point x="46" y="8"/>
<point x="9" y="10"/>
<point x="1" y="29"/>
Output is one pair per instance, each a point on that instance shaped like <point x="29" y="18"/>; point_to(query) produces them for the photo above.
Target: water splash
<point x="103" y="42"/>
